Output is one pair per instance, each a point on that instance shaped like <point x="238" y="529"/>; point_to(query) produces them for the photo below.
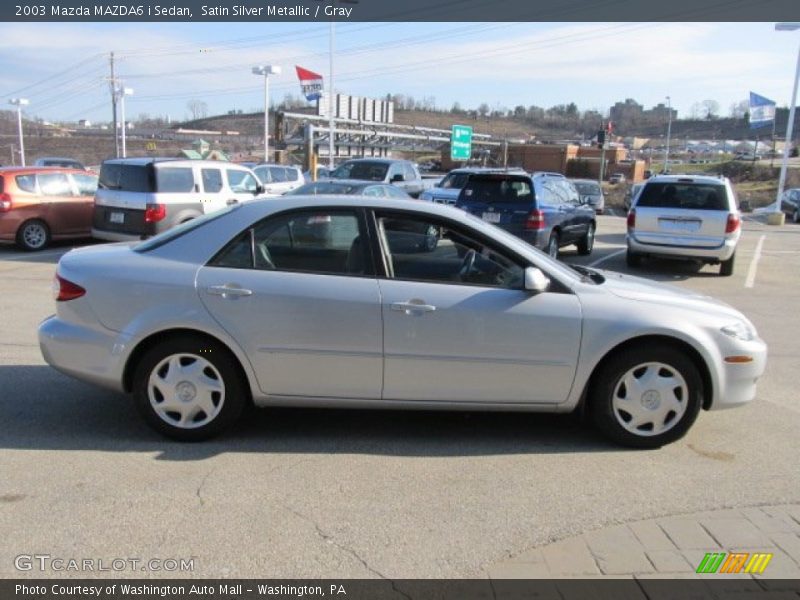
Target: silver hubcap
<point x="34" y="235"/>
<point x="186" y="391"/>
<point x="650" y="399"/>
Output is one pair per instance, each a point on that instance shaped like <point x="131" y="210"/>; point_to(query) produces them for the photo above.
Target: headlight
<point x="739" y="331"/>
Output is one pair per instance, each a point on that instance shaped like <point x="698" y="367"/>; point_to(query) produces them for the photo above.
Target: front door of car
<point x="300" y="298"/>
<point x="64" y="214"/>
<point x="458" y="327"/>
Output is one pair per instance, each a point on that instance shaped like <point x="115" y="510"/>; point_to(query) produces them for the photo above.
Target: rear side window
<point x="128" y="178"/>
<point x="212" y="180"/>
<point x="277" y="174"/>
<point x="54" y="184"/>
<point x="175" y="180"/>
<point x="497" y="190"/>
<point x="292" y="174"/>
<point x="26" y="183"/>
<point x="697" y="196"/>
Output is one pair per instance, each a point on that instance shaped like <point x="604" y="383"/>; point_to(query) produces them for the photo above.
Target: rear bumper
<point x="712" y="254"/>
<point x="115" y="236"/>
<point x="87" y="354"/>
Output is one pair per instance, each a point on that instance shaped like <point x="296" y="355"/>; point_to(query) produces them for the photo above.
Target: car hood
<point x="645" y="290"/>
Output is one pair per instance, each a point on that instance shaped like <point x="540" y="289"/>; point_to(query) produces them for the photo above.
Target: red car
<point x="40" y="204"/>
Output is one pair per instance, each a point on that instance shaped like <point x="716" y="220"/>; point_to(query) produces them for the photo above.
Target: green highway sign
<point x="461" y="142"/>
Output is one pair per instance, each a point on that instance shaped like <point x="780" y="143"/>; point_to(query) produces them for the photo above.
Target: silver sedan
<point x="339" y="301"/>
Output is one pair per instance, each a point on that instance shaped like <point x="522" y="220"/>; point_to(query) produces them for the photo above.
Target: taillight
<point x="64" y="290"/>
<point x="535" y="220"/>
<point x="5" y="202"/>
<point x="155" y="212"/>
<point x="733" y="223"/>
<point x="631" y="218"/>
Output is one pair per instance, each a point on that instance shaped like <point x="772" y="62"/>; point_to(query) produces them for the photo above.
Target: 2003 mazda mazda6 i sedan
<point x="337" y="301"/>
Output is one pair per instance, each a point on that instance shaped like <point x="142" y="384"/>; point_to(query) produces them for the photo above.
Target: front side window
<point x="86" y="184"/>
<point x="241" y="182"/>
<point x="420" y="248"/>
<point x="54" y="184"/>
<point x="328" y="242"/>
<point x="278" y="174"/>
<point x="454" y="180"/>
<point x="212" y="180"/>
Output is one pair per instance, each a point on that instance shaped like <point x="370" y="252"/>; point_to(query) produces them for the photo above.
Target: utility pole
<point x="113" y="84"/>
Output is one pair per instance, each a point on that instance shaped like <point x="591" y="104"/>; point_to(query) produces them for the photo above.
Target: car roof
<point x="377" y="160"/>
<point x="685" y="178"/>
<point x="180" y="162"/>
<point x="594" y="181"/>
<point x="64" y="158"/>
<point x="256" y="165"/>
<point x="477" y="170"/>
<point x="351" y="182"/>
<point x="28" y="170"/>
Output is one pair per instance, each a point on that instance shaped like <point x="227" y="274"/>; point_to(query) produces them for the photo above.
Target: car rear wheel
<point x="586" y="243"/>
<point x="632" y="259"/>
<point x="189" y="388"/>
<point x="552" y="245"/>
<point x="726" y="266"/>
<point x="33" y="235"/>
<point x="796" y="216"/>
<point x="646" y="397"/>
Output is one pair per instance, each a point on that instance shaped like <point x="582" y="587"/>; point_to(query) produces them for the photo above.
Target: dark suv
<point x="543" y="209"/>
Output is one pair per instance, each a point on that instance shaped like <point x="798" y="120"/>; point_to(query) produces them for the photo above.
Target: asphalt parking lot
<point x="316" y="493"/>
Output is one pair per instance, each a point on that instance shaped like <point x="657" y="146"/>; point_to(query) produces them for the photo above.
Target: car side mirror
<point x="397" y="177"/>
<point x="259" y="190"/>
<point x="536" y="281"/>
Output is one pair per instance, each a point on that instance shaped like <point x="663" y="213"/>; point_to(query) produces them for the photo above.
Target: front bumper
<point x="85" y="353"/>
<point x="738" y="380"/>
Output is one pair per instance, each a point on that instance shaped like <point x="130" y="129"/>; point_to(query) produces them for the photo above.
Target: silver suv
<point x="688" y="217"/>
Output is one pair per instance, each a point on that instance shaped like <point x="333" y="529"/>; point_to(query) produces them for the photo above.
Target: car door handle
<point x="232" y="201"/>
<point x="414" y="307"/>
<point x="228" y="291"/>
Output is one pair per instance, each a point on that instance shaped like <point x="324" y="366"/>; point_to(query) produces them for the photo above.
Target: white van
<point x="140" y="197"/>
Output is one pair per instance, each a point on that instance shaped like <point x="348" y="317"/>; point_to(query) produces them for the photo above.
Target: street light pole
<point x="331" y="102"/>
<point x="19" y="103"/>
<point x="123" y="91"/>
<point x="669" y="132"/>
<point x="266" y="71"/>
<point x="789" y="126"/>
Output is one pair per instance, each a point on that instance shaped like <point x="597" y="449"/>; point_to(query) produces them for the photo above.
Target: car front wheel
<point x="188" y="388"/>
<point x="646" y="397"/>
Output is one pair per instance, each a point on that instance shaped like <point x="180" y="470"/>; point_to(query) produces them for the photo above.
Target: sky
<point x="62" y="68"/>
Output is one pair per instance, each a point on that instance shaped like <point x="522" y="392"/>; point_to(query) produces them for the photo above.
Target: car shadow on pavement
<point x="42" y="409"/>
<point x="610" y="238"/>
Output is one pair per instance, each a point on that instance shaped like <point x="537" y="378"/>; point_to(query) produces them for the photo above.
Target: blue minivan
<point x="544" y="209"/>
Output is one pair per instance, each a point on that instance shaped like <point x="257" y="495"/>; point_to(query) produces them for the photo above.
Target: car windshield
<point x="368" y="170"/>
<point x="686" y="195"/>
<point x="327" y="187"/>
<point x="587" y="189"/>
<point x="182" y="229"/>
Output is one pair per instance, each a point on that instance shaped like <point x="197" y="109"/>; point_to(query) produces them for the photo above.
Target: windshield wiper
<point x="588" y="273"/>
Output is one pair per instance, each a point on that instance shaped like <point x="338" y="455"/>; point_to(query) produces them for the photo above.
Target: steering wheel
<point x="467" y="265"/>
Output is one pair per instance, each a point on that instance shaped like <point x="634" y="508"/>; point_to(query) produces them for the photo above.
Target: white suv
<point x="685" y="216"/>
<point x="279" y="179"/>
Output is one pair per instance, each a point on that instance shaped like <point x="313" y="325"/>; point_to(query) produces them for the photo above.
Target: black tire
<point x="632" y="259"/>
<point x="586" y="243"/>
<point x="188" y="350"/>
<point x="665" y="361"/>
<point x="33" y="235"/>
<point x="726" y="266"/>
<point x="553" y="245"/>
<point x="796" y="216"/>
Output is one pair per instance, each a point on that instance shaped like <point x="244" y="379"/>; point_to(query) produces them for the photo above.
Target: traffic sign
<point x="461" y="142"/>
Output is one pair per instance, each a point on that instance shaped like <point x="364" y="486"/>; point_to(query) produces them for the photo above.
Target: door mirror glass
<point x="536" y="281"/>
<point x="397" y="177"/>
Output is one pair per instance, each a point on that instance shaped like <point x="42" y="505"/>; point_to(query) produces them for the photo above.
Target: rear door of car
<point x="682" y="213"/>
<point x="501" y="199"/>
<point x="85" y="186"/>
